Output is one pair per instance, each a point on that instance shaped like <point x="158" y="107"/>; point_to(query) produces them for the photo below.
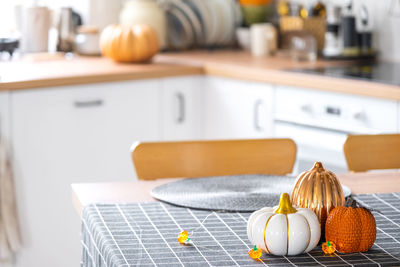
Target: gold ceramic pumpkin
<point x="122" y="43"/>
<point x="318" y="189"/>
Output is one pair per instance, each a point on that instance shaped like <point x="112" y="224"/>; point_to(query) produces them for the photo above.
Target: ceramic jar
<point x="87" y="41"/>
<point x="145" y="12"/>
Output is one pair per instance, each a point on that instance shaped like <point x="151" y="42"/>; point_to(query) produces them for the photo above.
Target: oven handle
<point x="335" y="130"/>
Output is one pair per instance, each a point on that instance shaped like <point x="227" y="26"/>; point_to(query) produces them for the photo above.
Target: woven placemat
<point x="243" y="193"/>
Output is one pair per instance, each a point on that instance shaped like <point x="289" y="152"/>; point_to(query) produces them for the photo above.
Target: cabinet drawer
<point x="348" y="113"/>
<point x="89" y="128"/>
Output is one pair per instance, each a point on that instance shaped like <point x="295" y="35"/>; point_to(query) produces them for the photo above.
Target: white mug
<point x="263" y="39"/>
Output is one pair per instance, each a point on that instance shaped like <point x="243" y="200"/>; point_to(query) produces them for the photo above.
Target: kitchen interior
<point x="82" y="82"/>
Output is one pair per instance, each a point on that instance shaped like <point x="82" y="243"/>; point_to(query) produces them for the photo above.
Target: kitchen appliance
<point x="320" y="121"/>
<point x="349" y="33"/>
<point x="69" y="20"/>
<point x="382" y="72"/>
<point x="365" y="35"/>
<point x="332" y="41"/>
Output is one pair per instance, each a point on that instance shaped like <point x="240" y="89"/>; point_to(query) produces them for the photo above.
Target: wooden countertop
<point x="233" y="64"/>
<point x="16" y="75"/>
<point x="139" y="191"/>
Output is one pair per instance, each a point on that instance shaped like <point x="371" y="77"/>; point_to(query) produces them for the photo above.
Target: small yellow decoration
<point x="328" y="247"/>
<point x="183" y="237"/>
<point x="255" y="253"/>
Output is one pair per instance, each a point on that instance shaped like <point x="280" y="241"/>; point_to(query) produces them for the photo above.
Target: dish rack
<point x="315" y="26"/>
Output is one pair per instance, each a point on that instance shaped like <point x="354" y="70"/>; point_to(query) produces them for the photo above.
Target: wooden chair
<point x="213" y="158"/>
<point x="372" y="152"/>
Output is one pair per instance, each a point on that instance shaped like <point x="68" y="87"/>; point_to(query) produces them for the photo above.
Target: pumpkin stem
<point x="351" y="202"/>
<point x="284" y="205"/>
<point x="318" y="166"/>
<point x="255" y="248"/>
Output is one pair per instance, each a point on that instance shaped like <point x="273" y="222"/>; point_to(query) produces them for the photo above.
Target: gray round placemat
<point x="245" y="193"/>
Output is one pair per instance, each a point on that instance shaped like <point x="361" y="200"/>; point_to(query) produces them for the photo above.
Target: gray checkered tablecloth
<point x="145" y="234"/>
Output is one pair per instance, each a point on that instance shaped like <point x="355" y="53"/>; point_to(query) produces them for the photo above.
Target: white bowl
<point x="243" y="38"/>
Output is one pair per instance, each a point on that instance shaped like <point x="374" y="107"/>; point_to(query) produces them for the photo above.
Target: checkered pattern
<point x="144" y="234"/>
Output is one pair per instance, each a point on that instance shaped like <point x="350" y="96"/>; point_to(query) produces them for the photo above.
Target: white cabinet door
<point x="236" y="109"/>
<point x="67" y="135"/>
<point x="398" y="117"/>
<point x="4" y="116"/>
<point x="181" y="102"/>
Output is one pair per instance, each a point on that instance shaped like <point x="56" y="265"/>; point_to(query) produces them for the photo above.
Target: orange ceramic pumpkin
<point x="351" y="229"/>
<point x="122" y="43"/>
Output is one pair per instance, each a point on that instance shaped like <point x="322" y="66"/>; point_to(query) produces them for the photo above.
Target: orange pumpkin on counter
<point x="255" y="2"/>
<point x="351" y="229"/>
<point x="122" y="43"/>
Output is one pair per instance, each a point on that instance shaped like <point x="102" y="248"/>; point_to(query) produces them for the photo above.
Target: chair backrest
<point x="372" y="152"/>
<point x="213" y="158"/>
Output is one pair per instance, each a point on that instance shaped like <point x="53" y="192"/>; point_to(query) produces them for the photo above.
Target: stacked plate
<point x="201" y="23"/>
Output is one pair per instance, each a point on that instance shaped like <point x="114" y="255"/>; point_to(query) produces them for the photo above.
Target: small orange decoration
<point x="183" y="237"/>
<point x="352" y="229"/>
<point x="328" y="247"/>
<point x="255" y="253"/>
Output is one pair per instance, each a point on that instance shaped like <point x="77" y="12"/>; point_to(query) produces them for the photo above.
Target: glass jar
<point x="303" y="46"/>
<point x="145" y="12"/>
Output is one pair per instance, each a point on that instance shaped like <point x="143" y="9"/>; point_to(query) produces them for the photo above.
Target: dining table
<point x="123" y="225"/>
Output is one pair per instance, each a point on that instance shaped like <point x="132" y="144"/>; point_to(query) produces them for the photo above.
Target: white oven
<point x="319" y="123"/>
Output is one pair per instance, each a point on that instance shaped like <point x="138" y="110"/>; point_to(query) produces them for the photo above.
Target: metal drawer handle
<point x="359" y="115"/>
<point x="181" y="108"/>
<point x="88" y="103"/>
<point x="333" y="111"/>
<point x="257" y="124"/>
<point x="306" y="108"/>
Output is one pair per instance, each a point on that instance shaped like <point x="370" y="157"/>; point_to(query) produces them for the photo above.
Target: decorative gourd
<point x="351" y="229"/>
<point x="122" y="43"/>
<point x="254" y="2"/>
<point x="284" y="230"/>
<point x="319" y="190"/>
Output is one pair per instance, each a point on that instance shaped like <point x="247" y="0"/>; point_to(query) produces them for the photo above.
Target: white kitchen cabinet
<point x="319" y="122"/>
<point x="67" y="135"/>
<point x="181" y="108"/>
<point x="4" y="115"/>
<point x="236" y="109"/>
<point x="398" y="117"/>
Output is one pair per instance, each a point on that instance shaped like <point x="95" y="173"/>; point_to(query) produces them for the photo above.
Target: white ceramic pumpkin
<point x="284" y="230"/>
